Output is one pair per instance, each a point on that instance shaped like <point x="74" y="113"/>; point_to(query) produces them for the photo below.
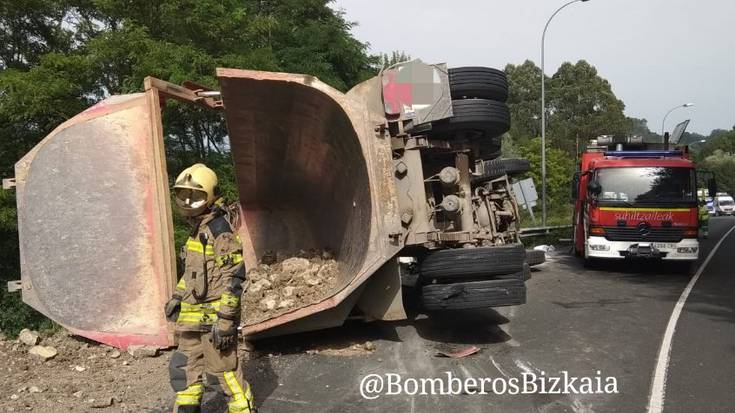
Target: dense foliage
<point x="57" y="57"/>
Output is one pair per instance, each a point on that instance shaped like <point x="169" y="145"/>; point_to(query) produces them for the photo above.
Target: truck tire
<point x="468" y="262"/>
<point x="475" y="294"/>
<point x="535" y="257"/>
<point x="488" y="153"/>
<point x="524" y="274"/>
<point x="516" y="166"/>
<point x="481" y="118"/>
<point x="478" y="82"/>
<point x="499" y="167"/>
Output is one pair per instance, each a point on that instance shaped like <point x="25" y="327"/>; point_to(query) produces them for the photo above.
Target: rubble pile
<point x="282" y="284"/>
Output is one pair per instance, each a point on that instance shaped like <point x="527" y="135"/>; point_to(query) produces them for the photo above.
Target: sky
<point x="657" y="54"/>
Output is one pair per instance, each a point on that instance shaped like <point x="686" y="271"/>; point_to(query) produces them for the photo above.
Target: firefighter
<point x="703" y="218"/>
<point x="206" y="303"/>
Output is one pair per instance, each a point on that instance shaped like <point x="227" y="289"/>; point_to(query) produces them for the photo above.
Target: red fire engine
<point x="635" y="201"/>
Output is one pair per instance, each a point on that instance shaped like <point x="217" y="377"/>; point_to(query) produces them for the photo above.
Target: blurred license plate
<point x="664" y="245"/>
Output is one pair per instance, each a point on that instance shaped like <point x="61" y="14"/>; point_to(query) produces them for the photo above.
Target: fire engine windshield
<point x="647" y="184"/>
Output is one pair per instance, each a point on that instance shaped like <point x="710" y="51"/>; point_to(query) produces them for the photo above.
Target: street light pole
<point x="663" y="123"/>
<point x="543" y="111"/>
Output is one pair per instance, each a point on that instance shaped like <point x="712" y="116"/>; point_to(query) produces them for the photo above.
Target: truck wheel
<point x="524" y="274"/>
<point x="473" y="118"/>
<point x="478" y="82"/>
<point x="468" y="262"/>
<point x="499" y="167"/>
<point x="489" y="152"/>
<point x="516" y="166"/>
<point x="535" y="257"/>
<point x="475" y="294"/>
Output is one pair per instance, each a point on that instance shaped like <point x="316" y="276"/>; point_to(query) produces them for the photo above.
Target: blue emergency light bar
<point x="645" y="154"/>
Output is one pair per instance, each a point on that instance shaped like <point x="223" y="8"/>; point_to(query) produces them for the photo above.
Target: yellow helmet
<point x="194" y="189"/>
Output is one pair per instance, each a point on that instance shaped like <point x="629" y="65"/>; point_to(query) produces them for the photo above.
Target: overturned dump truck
<point x="403" y="168"/>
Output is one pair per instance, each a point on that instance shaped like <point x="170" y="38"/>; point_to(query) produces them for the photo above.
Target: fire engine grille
<point x="650" y="234"/>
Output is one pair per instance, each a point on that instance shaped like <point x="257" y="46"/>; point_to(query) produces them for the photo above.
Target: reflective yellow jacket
<point x="214" y="275"/>
<point x="703" y="213"/>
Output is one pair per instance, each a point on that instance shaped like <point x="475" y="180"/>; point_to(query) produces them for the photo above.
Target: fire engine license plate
<point x="663" y="245"/>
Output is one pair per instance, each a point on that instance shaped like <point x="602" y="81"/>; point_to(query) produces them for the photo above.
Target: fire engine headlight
<point x="687" y="250"/>
<point x="599" y="247"/>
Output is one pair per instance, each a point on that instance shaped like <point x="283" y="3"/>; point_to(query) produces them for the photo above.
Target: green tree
<point x="560" y="168"/>
<point x="387" y="60"/>
<point x="718" y="140"/>
<point x="31" y="28"/>
<point x="722" y="164"/>
<point x="58" y="57"/>
<point x="582" y="105"/>
<point x="524" y="101"/>
<point x="639" y="127"/>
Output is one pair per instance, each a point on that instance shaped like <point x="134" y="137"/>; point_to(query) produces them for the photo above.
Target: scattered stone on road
<point x="138" y="351"/>
<point x="115" y="354"/>
<point x="101" y="403"/>
<point x="29" y="337"/>
<point x="44" y="352"/>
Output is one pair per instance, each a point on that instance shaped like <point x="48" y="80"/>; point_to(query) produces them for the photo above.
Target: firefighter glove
<point x="224" y="338"/>
<point x="172" y="308"/>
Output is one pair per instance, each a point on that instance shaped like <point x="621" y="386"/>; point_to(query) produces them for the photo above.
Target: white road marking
<point x="282" y="399"/>
<point x="528" y="368"/>
<point x="497" y="367"/>
<point x="658" y="388"/>
<point x="579" y="407"/>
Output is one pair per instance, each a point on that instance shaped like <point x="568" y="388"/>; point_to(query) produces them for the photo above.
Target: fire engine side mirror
<point x="712" y="187"/>
<point x="575" y="186"/>
<point x="594" y="188"/>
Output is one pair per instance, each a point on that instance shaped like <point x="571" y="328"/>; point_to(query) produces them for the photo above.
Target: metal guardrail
<point x="532" y="232"/>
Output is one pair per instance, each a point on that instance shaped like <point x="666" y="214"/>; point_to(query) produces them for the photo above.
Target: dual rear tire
<point x="465" y="278"/>
<point x="480" y="112"/>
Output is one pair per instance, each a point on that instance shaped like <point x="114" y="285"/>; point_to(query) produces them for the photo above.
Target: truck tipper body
<point x="636" y="203"/>
<point x="383" y="171"/>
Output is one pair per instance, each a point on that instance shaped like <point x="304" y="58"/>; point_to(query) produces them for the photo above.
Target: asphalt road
<point x="576" y="320"/>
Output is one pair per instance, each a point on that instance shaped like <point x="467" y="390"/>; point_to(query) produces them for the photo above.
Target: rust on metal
<point x="311" y="174"/>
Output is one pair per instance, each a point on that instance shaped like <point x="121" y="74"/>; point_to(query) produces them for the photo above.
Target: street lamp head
<point x="686" y="105"/>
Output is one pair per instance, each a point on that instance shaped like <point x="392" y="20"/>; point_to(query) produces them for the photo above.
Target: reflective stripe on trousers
<point x="242" y="400"/>
<point x="191" y="396"/>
